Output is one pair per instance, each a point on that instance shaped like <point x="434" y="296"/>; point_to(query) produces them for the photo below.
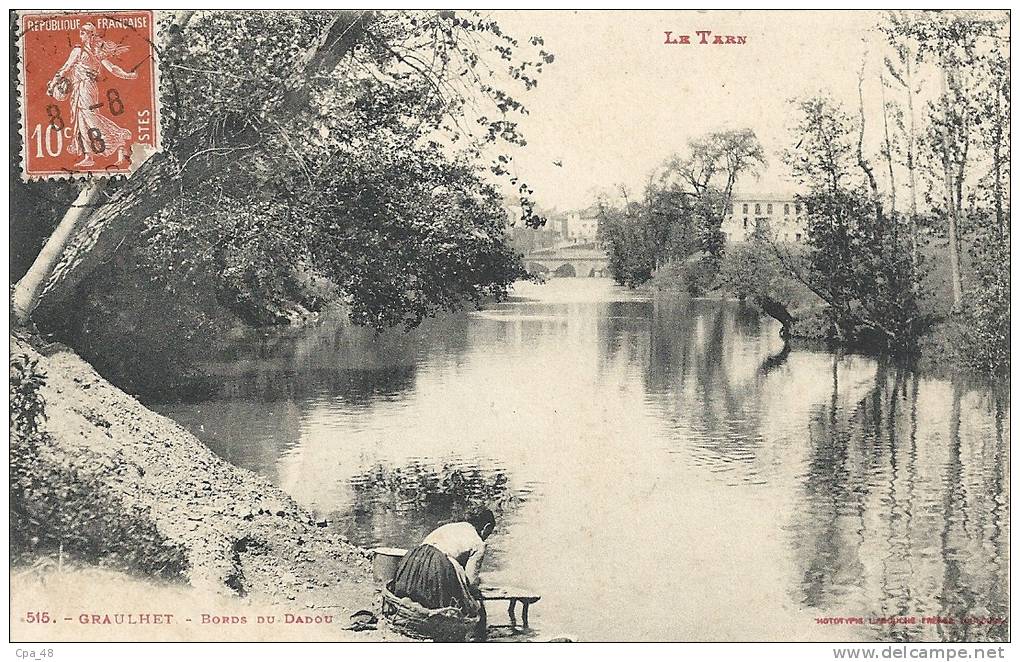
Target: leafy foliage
<point x="381" y="172"/>
<point x="434" y="237"/>
<point x="824" y="153"/>
<point x="629" y="245"/>
<point x="26" y="403"/>
<point x="859" y="261"/>
<point x="682" y="210"/>
<point x="983" y="334"/>
<point x="752" y="269"/>
<point x="366" y="186"/>
<point x="963" y="159"/>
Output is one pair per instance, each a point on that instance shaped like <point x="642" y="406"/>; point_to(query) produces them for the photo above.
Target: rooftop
<point x="765" y="197"/>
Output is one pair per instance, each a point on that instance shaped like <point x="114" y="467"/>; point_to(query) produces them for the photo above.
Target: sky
<point x="618" y="101"/>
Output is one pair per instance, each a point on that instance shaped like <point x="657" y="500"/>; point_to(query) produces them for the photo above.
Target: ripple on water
<point x="630" y="440"/>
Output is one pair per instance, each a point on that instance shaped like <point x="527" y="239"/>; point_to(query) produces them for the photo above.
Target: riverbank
<point x="247" y="547"/>
<point x="944" y="350"/>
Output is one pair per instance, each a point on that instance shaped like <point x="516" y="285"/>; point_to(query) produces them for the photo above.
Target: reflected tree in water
<point x="402" y="504"/>
<point x="697" y="366"/>
<point x="905" y="513"/>
<point x="832" y="495"/>
<point x="773" y="362"/>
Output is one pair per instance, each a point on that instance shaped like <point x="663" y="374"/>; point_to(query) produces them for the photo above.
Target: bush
<point x="669" y="278"/>
<point x="981" y="331"/>
<point x="700" y="274"/>
<point x="693" y="277"/>
<point x="751" y="269"/>
<point x="27" y="407"/>
<point x="982" y="327"/>
<point x="811" y="322"/>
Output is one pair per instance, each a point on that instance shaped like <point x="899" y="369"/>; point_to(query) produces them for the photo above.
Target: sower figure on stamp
<point x="92" y="132"/>
<point x="443" y="570"/>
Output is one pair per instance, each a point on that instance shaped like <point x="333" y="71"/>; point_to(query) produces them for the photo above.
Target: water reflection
<point x="706" y="377"/>
<point x="900" y="509"/>
<point x="402" y="504"/>
<point x="672" y="458"/>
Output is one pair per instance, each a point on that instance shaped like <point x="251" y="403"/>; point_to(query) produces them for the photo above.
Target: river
<point x="662" y="470"/>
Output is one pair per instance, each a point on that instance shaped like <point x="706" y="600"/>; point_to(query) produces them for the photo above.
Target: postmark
<point x="89" y="93"/>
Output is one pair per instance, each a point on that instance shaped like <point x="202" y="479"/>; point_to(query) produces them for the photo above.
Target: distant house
<point x="784" y="217"/>
<point x="527" y="239"/>
<point x="555" y="221"/>
<point x="582" y="226"/>
<point x="513" y="211"/>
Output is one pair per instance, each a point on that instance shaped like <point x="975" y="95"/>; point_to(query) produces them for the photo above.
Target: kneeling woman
<point x="443" y="570"/>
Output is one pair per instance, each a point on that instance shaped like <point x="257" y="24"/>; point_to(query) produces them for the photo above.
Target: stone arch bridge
<point x="567" y="261"/>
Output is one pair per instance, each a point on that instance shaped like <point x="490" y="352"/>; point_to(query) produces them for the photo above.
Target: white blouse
<point x="462" y="544"/>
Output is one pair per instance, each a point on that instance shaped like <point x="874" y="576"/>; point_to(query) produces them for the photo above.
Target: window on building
<point x="745" y="223"/>
<point x="745" y="208"/>
<point x="796" y="208"/>
<point x="797" y="237"/>
<point x="769" y="209"/>
<point x="786" y="210"/>
<point x="757" y="208"/>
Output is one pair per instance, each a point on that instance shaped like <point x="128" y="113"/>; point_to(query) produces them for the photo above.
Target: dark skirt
<point x="428" y="576"/>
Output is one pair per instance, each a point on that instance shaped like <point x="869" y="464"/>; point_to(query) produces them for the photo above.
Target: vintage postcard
<point x="511" y="326"/>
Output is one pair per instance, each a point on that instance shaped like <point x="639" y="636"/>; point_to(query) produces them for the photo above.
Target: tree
<point x="959" y="46"/>
<point x="630" y="246"/>
<point x="707" y="177"/>
<point x="682" y="209"/>
<point x="264" y="97"/>
<point x="88" y="233"/>
<point x="903" y="71"/>
<point x="964" y="138"/>
<point x="824" y="151"/>
<point x="855" y="260"/>
<point x="752" y="271"/>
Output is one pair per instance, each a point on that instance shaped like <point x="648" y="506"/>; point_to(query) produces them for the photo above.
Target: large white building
<point x="783" y="216"/>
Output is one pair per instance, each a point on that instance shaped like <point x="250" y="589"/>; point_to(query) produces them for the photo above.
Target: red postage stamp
<point x="89" y="88"/>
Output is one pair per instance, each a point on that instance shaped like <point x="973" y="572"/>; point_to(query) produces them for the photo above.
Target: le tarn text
<point x="704" y="37"/>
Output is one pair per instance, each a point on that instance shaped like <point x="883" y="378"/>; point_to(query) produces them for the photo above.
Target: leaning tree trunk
<point x="91" y="238"/>
<point x="52" y="259"/>
<point x="110" y="224"/>
<point x="29" y="289"/>
<point x="778" y="311"/>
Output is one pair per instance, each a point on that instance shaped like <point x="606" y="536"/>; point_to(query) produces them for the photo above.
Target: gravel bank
<point x="246" y="541"/>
